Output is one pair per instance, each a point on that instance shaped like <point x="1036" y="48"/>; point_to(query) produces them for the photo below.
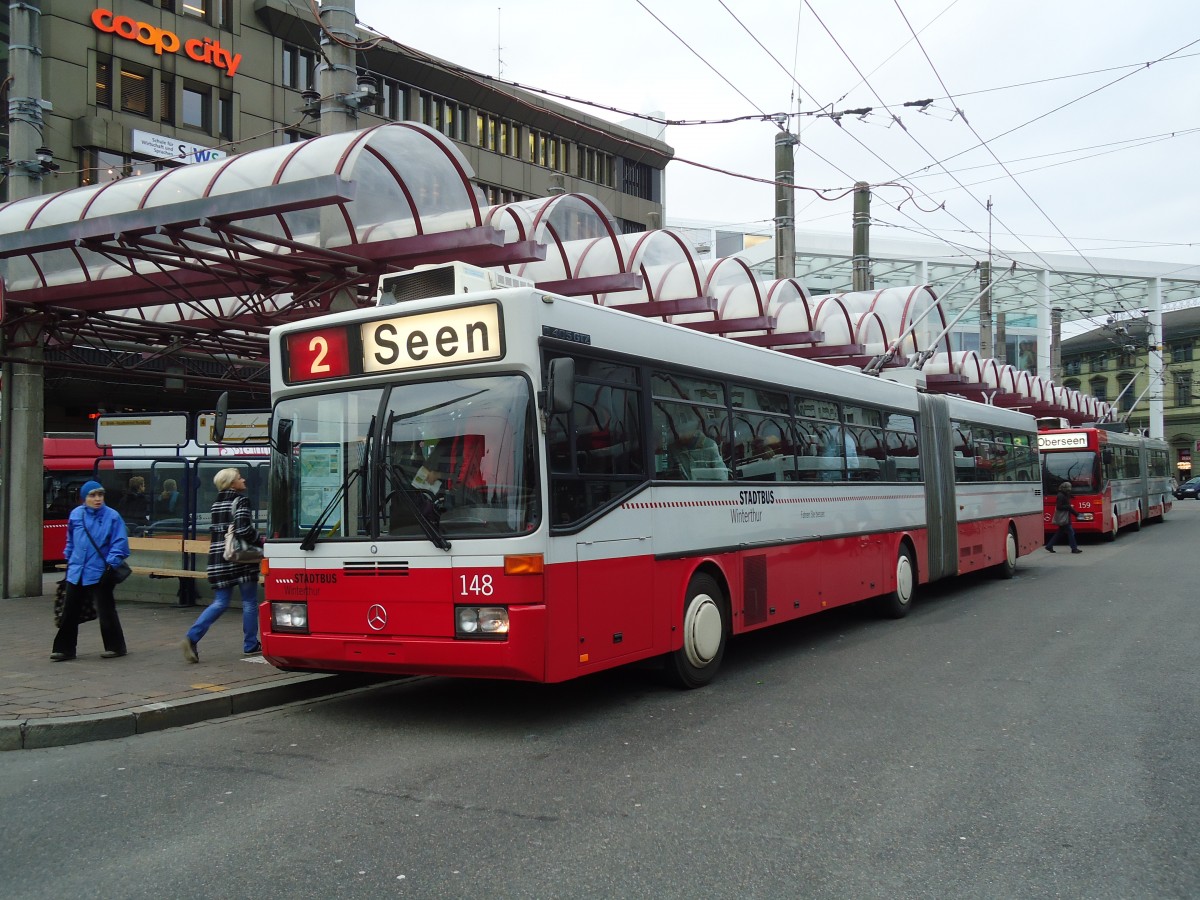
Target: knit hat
<point x="88" y="487"/>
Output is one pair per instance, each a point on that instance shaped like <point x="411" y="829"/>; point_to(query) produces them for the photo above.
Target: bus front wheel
<point x="705" y="631"/>
<point x="896" y="603"/>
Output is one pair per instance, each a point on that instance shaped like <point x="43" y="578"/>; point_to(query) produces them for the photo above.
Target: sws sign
<point x="203" y="50"/>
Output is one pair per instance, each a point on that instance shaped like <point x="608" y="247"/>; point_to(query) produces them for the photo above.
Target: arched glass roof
<point x="343" y="191"/>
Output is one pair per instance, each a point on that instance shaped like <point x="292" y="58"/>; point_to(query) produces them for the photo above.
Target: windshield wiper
<point x="403" y="487"/>
<point x="310" y="539"/>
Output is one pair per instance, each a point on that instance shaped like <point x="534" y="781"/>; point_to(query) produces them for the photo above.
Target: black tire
<point x="897" y="602"/>
<point x="1137" y="521"/>
<point x="1008" y="567"/>
<point x="705" y="633"/>
<point x="1111" y="536"/>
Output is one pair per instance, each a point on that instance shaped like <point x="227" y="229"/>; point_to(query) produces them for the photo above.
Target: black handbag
<point x="87" y="605"/>
<point x="119" y="572"/>
<point x="112" y="574"/>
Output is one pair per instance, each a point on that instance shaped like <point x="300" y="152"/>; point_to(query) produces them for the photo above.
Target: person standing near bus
<point x="224" y="575"/>
<point x="696" y="456"/>
<point x="135" y="505"/>
<point x="1063" y="513"/>
<point x="96" y="542"/>
<point x="168" y="498"/>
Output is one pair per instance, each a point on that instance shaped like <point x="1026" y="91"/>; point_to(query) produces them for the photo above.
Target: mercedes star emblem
<point x="377" y="617"/>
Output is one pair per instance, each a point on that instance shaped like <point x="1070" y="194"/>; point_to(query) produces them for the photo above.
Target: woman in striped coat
<point x="223" y="575"/>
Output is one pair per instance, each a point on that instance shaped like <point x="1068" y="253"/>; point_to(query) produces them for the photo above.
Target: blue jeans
<point x="1066" y="530"/>
<point x="221" y="598"/>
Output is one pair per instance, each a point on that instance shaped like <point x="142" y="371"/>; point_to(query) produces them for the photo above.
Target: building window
<point x="1098" y="362"/>
<point x="225" y="115"/>
<point x="1127" y="359"/>
<point x="1181" y="352"/>
<point x="637" y="180"/>
<point x="104" y="70"/>
<point x="135" y="89"/>
<point x="1073" y="367"/>
<point x="391" y="99"/>
<point x="1127" y="394"/>
<point x="196" y="8"/>
<point x="498" y="196"/>
<point x="1100" y="389"/>
<point x="197" y="107"/>
<point x="299" y="68"/>
<point x="166" y="100"/>
<point x="594" y="165"/>
<point x="485" y="125"/>
<point x="498" y="135"/>
<point x="1183" y="389"/>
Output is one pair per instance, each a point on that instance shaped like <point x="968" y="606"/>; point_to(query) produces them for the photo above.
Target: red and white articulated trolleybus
<point x="506" y="483"/>
<point x="1118" y="480"/>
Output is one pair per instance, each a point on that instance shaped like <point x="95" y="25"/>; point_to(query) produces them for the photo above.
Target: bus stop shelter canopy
<point x="210" y="256"/>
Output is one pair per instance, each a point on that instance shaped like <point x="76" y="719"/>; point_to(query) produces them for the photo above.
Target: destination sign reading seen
<point x="423" y="340"/>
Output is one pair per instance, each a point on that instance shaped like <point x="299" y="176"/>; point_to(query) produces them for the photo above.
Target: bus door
<point x="616" y="598"/>
<point x="941" y="500"/>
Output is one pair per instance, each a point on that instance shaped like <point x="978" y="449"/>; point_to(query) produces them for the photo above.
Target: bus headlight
<point x="289" y="617"/>
<point x="480" y="621"/>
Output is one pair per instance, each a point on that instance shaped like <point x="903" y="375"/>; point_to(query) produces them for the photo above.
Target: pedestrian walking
<point x="1063" y="513"/>
<point x="97" y="542"/>
<point x="230" y="506"/>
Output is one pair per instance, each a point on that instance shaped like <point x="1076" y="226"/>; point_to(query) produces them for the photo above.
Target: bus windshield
<point x="430" y="460"/>
<point x="1078" y="467"/>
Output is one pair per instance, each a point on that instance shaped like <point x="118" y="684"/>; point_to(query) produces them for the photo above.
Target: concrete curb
<point x="59" y="731"/>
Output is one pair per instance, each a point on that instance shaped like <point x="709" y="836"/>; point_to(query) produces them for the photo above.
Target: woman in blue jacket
<point x="96" y="540"/>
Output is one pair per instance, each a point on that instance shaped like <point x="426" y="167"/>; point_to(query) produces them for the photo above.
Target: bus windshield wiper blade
<point x="310" y="539"/>
<point x="406" y="490"/>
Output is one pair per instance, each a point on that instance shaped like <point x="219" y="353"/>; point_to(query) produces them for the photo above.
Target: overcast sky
<point x="1086" y="147"/>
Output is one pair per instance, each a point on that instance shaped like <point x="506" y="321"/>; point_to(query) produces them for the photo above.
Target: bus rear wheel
<point x="705" y="632"/>
<point x="1007" y="567"/>
<point x="897" y="602"/>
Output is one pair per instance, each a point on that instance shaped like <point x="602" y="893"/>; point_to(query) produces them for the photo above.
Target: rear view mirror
<point x="221" y="417"/>
<point x="560" y="385"/>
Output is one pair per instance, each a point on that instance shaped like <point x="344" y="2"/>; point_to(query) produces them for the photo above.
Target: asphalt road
<point x="1032" y="738"/>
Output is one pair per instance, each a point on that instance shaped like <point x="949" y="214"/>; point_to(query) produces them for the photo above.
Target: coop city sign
<point x="203" y="50"/>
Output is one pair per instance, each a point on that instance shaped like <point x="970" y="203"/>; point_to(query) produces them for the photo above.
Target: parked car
<point x="1189" y="489"/>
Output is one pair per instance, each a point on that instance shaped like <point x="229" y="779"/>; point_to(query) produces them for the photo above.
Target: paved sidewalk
<point x="48" y="704"/>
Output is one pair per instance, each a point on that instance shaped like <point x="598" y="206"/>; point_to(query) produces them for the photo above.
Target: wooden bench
<point x="178" y="546"/>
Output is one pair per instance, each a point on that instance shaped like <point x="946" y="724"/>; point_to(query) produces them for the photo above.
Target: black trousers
<point x="106" y="609"/>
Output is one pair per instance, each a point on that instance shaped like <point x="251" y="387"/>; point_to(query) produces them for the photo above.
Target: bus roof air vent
<point x="443" y="281"/>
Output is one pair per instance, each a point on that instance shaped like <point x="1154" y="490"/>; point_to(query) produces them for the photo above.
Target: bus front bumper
<point x="521" y="655"/>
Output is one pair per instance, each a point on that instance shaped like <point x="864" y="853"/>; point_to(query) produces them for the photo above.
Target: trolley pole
<point x="860" y="279"/>
<point x="1155" y="358"/>
<point x="1056" y="345"/>
<point x="985" y="311"/>
<point x="785" y="203"/>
